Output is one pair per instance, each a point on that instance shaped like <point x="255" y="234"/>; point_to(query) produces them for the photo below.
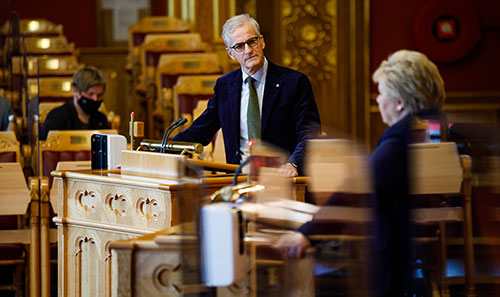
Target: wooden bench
<point x="55" y="45"/>
<point x="33" y="27"/>
<point x="53" y="65"/>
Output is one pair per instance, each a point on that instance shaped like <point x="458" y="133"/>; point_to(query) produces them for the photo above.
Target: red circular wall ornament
<point x="447" y="30"/>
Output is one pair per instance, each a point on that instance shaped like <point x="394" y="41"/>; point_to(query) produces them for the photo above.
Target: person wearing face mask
<point x="82" y="113"/>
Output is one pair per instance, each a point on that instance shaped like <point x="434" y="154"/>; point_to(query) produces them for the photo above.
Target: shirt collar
<point x="260" y="75"/>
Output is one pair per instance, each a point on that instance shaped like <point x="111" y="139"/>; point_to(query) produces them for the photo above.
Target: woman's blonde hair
<point x="413" y="78"/>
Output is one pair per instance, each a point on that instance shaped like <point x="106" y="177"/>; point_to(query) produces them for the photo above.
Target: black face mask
<point x="89" y="106"/>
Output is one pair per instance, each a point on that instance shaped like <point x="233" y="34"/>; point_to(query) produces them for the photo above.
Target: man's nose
<point x="248" y="48"/>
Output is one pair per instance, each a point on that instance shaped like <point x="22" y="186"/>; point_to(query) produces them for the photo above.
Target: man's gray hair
<point x="88" y="77"/>
<point x="236" y="22"/>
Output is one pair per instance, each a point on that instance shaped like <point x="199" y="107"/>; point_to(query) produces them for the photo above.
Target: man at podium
<point x="260" y="101"/>
<point x="82" y="113"/>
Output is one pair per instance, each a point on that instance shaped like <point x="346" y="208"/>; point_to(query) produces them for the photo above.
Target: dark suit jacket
<point x="289" y="114"/>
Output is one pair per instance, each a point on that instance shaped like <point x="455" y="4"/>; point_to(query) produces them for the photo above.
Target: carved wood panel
<point x="308" y="43"/>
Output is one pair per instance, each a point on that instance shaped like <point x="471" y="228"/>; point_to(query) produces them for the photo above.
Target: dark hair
<point x="88" y="77"/>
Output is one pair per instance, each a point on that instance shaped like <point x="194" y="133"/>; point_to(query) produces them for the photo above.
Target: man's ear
<point x="75" y="91"/>
<point x="230" y="53"/>
<point x="263" y="42"/>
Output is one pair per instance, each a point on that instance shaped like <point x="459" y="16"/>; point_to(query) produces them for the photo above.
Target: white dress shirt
<point x="259" y="84"/>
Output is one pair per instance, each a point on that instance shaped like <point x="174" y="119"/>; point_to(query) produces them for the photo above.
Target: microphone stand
<point x="178" y="123"/>
<point x="165" y="135"/>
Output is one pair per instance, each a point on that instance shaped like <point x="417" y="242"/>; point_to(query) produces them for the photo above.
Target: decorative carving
<point x="5" y="144"/>
<point x="107" y="251"/>
<point x="148" y="209"/>
<point x="167" y="279"/>
<point x="52" y="142"/>
<point x="116" y="204"/>
<point x="310" y="37"/>
<point x="86" y="200"/>
<point x="85" y="265"/>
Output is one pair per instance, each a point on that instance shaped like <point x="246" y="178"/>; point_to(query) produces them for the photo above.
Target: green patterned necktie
<point x="253" y="111"/>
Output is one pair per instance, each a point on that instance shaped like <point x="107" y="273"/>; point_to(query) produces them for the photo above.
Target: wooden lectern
<point x="98" y="207"/>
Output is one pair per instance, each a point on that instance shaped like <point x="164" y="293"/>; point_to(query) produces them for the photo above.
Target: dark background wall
<point x="391" y="29"/>
<point x="79" y="18"/>
<point x="390" y="24"/>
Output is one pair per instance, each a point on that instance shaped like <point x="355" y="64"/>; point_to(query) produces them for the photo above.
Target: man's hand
<point x="288" y="170"/>
<point x="292" y="245"/>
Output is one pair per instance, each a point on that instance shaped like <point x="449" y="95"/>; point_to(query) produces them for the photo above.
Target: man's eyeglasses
<point x="252" y="42"/>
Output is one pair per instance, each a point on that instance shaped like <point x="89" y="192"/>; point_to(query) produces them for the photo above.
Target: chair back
<point x="14" y="193"/>
<point x="9" y="147"/>
<point x="33" y="27"/>
<point x="336" y="165"/>
<point x="153" y="25"/>
<point x="156" y="44"/>
<point x="189" y="90"/>
<point x="68" y="145"/>
<point x="435" y="168"/>
<point x="50" y="89"/>
<point x="55" y="45"/>
<point x="53" y="65"/>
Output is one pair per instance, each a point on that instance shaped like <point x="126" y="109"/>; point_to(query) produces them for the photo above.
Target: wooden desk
<point x="96" y="208"/>
<point x="167" y="263"/>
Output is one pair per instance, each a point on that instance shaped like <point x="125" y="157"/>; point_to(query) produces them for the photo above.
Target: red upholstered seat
<point x="67" y="145"/>
<point x="7" y="157"/>
<point x="50" y="159"/>
<point x="9" y="147"/>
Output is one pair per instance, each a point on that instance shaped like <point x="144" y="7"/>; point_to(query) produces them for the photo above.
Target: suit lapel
<point x="271" y="91"/>
<point x="234" y="95"/>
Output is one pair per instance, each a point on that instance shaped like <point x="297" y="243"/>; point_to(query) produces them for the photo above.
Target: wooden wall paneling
<point x="204" y="19"/>
<point x="174" y="8"/>
<point x="223" y="10"/>
<point x="353" y="72"/>
<point x="328" y="41"/>
<point x="268" y="14"/>
<point x="308" y="43"/>
<point x="246" y="6"/>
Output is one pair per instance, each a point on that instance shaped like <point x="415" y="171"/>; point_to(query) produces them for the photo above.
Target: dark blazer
<point x="289" y="114"/>
<point x="65" y="117"/>
<point x="390" y="248"/>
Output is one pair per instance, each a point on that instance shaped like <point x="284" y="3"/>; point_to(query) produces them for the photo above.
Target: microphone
<point x="164" y="139"/>
<point x="177" y="123"/>
<point x="173" y="145"/>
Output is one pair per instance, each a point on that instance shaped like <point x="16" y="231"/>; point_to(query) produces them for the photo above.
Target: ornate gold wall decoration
<point x="310" y="37"/>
